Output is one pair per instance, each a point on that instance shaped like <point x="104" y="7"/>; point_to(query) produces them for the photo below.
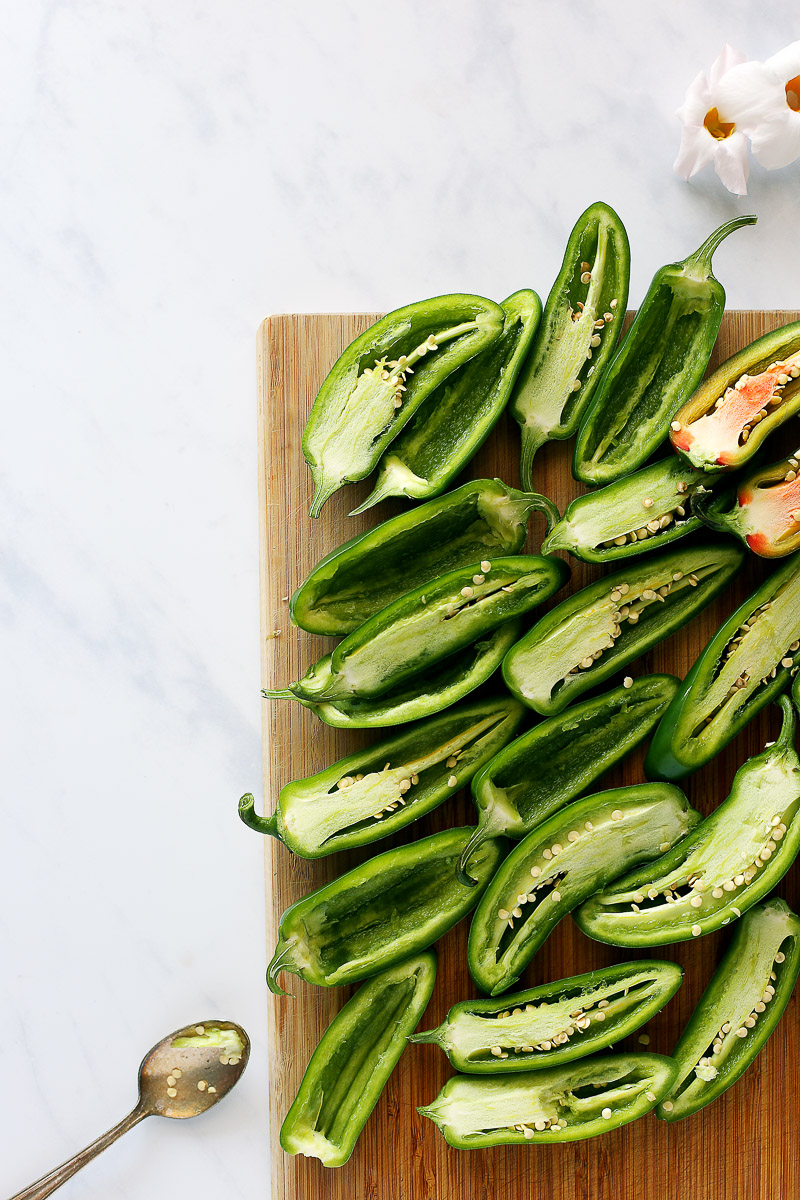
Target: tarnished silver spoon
<point x="185" y="1074"/>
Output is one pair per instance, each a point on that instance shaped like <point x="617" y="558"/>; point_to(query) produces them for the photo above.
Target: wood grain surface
<point x="742" y="1147"/>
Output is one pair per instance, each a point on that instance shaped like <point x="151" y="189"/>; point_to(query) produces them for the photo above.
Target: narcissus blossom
<point x="763" y="100"/>
<point x="709" y="132"/>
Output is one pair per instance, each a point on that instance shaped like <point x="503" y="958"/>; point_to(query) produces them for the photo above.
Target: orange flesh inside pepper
<point x="737" y="410"/>
<point x="773" y="513"/>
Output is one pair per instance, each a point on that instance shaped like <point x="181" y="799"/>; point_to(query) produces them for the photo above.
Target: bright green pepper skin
<point x="504" y="1110"/>
<point x="562" y="861"/>
<point x="483" y="519"/>
<point x="685" y="739"/>
<point x="550" y="765"/>
<point x="537" y="1029"/>
<point x="661" y="361"/>
<point x="455" y="421"/>
<point x="426" y="693"/>
<point x="751" y="984"/>
<point x="736" y="855"/>
<point x="352" y="1063"/>
<point x="764" y="511"/>
<point x="356" y="413"/>
<point x="431" y="622"/>
<point x="546" y="402"/>
<point x="391" y="906"/>
<point x="336" y="810"/>
<point x="544" y="669"/>
<point x="657" y="495"/>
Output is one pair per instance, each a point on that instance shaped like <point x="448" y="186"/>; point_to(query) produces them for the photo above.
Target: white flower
<point x="709" y="133"/>
<point x="763" y="99"/>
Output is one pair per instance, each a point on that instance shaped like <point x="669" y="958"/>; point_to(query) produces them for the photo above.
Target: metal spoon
<point x="185" y="1074"/>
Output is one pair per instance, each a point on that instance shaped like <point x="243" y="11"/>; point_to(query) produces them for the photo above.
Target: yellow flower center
<point x="718" y="128"/>
<point x="793" y="93"/>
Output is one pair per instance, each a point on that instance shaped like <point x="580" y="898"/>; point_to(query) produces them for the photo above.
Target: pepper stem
<point x="278" y="694"/>
<point x="533" y="439"/>
<point x="703" y="255"/>
<point x="248" y="814"/>
<point x="535" y="502"/>
<point x="381" y="491"/>
<point x="785" y="740"/>
<point x="323" y="492"/>
<point x="703" y="506"/>
<point x="480" y="835"/>
<point x="427" y="1035"/>
<point x="283" y="952"/>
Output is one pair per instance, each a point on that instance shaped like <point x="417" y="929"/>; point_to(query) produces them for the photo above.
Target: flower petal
<point x="749" y="93"/>
<point x="697" y="151"/>
<point x="730" y="163"/>
<point x="786" y="63"/>
<point x="728" y="58"/>
<point x="696" y="102"/>
<point x="776" y="142"/>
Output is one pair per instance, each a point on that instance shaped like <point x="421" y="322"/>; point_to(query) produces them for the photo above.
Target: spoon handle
<point x="48" y="1183"/>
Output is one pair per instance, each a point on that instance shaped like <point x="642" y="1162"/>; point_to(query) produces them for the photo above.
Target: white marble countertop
<point x="170" y="174"/>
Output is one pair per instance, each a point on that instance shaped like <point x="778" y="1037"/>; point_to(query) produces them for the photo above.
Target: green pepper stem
<point x="479" y="836"/>
<point x="248" y="814"/>
<point x="378" y="493"/>
<point x="283" y="951"/>
<point x="427" y="1035"/>
<point x="785" y="740"/>
<point x="534" y="502"/>
<point x="278" y="694"/>
<point x="702" y="505"/>
<point x="532" y="440"/>
<point x="702" y="256"/>
<point x="323" y="492"/>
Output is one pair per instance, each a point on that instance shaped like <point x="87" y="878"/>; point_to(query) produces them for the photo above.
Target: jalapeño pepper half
<point x="429" y="623"/>
<point x="555" y="1022"/>
<point x="661" y="360"/>
<point x="352" y="1064"/>
<point x="382" y="377"/>
<point x="559" y="758"/>
<point x="720" y="869"/>
<point x="386" y="786"/>
<point x="738" y="1010"/>
<point x="766" y="514"/>
<point x="454" y="422"/>
<point x="483" y="519"/>
<point x="748" y="661"/>
<point x="389" y="907"/>
<point x="564" y="1104"/>
<point x="562" y="861"/>
<point x="594" y="632"/>
<point x="581" y="324"/>
<point x="738" y="406"/>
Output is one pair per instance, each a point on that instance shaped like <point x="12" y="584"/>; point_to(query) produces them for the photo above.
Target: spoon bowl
<point x="192" y="1069"/>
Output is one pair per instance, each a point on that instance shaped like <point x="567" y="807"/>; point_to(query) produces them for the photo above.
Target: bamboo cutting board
<point x="742" y="1147"/>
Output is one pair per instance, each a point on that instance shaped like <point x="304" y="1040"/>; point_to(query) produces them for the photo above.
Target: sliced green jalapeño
<point x="379" y="381"/>
<point x="483" y="519"/>
<point x="430" y="623"/>
<point x="594" y="632"/>
<point x="580" y="327"/>
<point x="641" y="512"/>
<point x="747" y="663"/>
<point x="765" y="514"/>
<point x="720" y="869"/>
<point x="550" y="765"/>
<point x="555" y="1022"/>
<point x="454" y="422"/>
<point x="738" y="1010"/>
<point x="389" y="907"/>
<point x="386" y="786"/>
<point x="562" y="861"/>
<point x="563" y="1104"/>
<point x="352" y="1063"/>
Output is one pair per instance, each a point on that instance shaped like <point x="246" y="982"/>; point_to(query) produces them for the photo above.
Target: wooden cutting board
<point x="745" y="1145"/>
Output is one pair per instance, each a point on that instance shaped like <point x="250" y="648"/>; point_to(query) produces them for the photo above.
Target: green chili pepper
<point x="379" y="790"/>
<point x="641" y="512"/>
<point x="661" y="360"/>
<point x="737" y="407"/>
<point x="720" y="869"/>
<point x="555" y="1022"/>
<point x="559" y="758"/>
<point x="748" y="661"/>
<point x="562" y="861"/>
<point x="426" y="693"/>
<point x="564" y="1104"/>
<point x="738" y="1010"/>
<point x="382" y="377"/>
<point x="484" y="519"/>
<point x="581" y="324"/>
<point x="594" y="632"/>
<point x="429" y="623"/>
<point x="454" y="422"/>
<point x="766" y="512"/>
<point x="389" y="907"/>
<point x="351" y="1065"/>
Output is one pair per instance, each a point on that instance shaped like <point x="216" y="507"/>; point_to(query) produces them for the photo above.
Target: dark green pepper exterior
<point x="581" y="324"/>
<point x="720" y="869"/>
<point x="484" y="519"/>
<point x="738" y="1010"/>
<point x="747" y="663"/>
<point x="555" y="1022"/>
<point x="562" y="861"/>
<point x="454" y="422"/>
<point x="660" y="362"/>
<point x="382" y="911"/>
<point x="594" y="632"/>
<point x="381" y="789"/>
<point x="382" y="377"/>
<point x="550" y="765"/>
